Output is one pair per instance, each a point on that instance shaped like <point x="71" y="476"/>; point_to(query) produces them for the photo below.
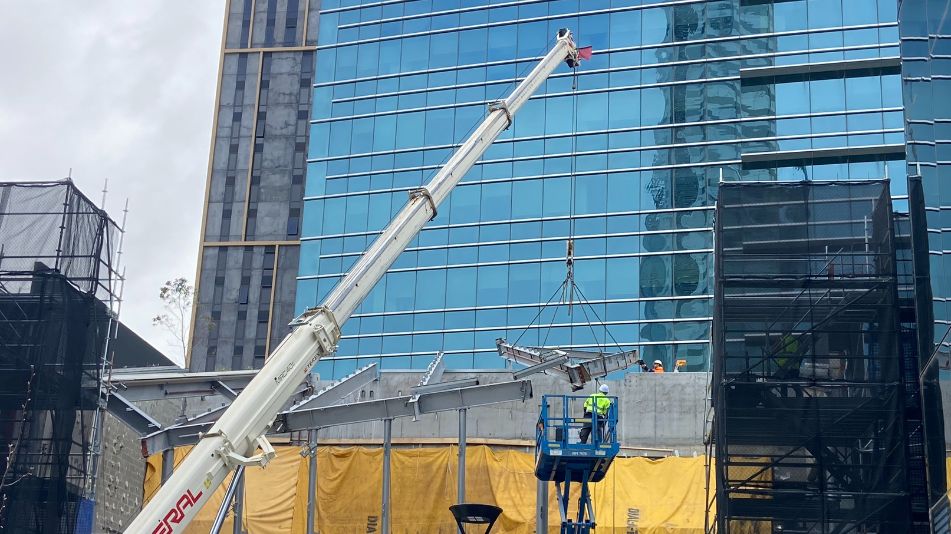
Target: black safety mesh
<point x="933" y="416"/>
<point x="53" y="224"/>
<point x="807" y="375"/>
<point x="55" y="280"/>
<point x="913" y="404"/>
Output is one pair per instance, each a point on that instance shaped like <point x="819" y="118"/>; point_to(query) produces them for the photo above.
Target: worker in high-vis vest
<point x="787" y="357"/>
<point x="596" y="402"/>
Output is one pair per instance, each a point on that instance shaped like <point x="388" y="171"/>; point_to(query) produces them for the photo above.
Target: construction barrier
<point x="638" y="495"/>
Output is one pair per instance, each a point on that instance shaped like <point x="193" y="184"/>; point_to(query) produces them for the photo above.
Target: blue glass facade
<point x="926" y="72"/>
<point x="625" y="158"/>
<point x="926" y="77"/>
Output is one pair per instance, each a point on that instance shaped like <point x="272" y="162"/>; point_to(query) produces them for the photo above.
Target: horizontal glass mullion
<point x="536" y="326"/>
<point x="539" y="240"/>
<point x="546" y="96"/>
<point x="609" y="50"/>
<point x="740" y="143"/>
<point x="738" y="120"/>
<point x="548" y="18"/>
<point x="516" y="221"/>
<point x="533" y="305"/>
<point x="447" y="266"/>
<point x="608" y="70"/>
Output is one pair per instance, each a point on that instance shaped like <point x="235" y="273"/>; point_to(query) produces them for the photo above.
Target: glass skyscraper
<point x="926" y="73"/>
<point x="624" y="157"/>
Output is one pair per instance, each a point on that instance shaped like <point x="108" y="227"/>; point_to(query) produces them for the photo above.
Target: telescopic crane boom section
<point x="238" y="434"/>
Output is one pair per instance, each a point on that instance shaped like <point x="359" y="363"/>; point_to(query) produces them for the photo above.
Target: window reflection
<point x="661" y="106"/>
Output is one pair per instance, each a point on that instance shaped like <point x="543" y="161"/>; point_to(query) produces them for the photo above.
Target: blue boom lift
<point x="560" y="457"/>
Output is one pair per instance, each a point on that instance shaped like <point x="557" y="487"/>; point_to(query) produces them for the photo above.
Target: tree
<point x="176" y="296"/>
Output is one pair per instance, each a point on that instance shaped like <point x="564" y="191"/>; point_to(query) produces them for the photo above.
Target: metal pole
<point x="168" y="464"/>
<point x="461" y="490"/>
<point x="226" y="503"/>
<point x="311" y="480"/>
<point x="387" y="442"/>
<point x="239" y="507"/>
<point x="541" y="508"/>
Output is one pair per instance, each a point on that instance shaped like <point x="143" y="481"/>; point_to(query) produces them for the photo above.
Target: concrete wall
<point x="122" y="469"/>
<point x="656" y="411"/>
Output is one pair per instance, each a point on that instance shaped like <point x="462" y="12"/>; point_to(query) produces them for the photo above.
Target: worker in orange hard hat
<point x="657" y="367"/>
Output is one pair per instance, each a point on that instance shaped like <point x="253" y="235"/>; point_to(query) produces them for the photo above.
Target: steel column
<point x="311" y="479"/>
<point x="387" y="445"/>
<point x="461" y="490"/>
<point x="541" y="508"/>
<point x="226" y="502"/>
<point x="168" y="463"/>
<point x="239" y="506"/>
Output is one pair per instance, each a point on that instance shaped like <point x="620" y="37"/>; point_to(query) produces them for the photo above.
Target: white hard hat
<point x="658" y="362"/>
<point x="603" y="388"/>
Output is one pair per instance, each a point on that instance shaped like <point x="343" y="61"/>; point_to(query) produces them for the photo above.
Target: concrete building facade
<point x="658" y="414"/>
<point x="252" y="220"/>
<point x="122" y="468"/>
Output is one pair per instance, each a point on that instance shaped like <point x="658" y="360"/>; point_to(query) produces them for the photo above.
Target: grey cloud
<point x="122" y="91"/>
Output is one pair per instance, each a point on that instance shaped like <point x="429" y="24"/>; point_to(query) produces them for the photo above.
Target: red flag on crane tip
<point x="586" y="52"/>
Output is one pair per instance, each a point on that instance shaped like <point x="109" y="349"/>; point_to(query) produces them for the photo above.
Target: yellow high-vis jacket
<point x="599" y="400"/>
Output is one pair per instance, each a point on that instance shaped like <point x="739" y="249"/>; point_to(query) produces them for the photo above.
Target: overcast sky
<point x="122" y="91"/>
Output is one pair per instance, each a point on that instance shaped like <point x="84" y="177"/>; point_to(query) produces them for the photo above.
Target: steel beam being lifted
<point x="561" y="362"/>
<point x="555" y="361"/>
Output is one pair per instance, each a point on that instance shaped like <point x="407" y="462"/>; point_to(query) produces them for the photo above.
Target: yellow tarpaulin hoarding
<point x="638" y="495"/>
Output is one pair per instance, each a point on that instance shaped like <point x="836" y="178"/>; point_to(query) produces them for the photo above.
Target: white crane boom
<point x="240" y="431"/>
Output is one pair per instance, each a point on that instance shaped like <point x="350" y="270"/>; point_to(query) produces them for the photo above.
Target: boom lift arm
<point x="240" y="431"/>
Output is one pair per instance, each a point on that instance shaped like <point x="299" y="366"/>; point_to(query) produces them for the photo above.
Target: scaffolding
<point x="58" y="294"/>
<point x="814" y="392"/>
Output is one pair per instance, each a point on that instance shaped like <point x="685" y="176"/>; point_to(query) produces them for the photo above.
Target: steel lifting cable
<point x="540" y="310"/>
<point x="570" y="248"/>
<point x="598" y="317"/>
<point x="561" y="288"/>
<point x="570" y="280"/>
<point x="564" y="290"/>
<point x="568" y="287"/>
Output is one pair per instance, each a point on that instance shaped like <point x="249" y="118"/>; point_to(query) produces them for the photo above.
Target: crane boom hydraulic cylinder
<point x="238" y="436"/>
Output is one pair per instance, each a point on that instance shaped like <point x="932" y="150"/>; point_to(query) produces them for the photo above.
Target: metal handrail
<point x="567" y="422"/>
